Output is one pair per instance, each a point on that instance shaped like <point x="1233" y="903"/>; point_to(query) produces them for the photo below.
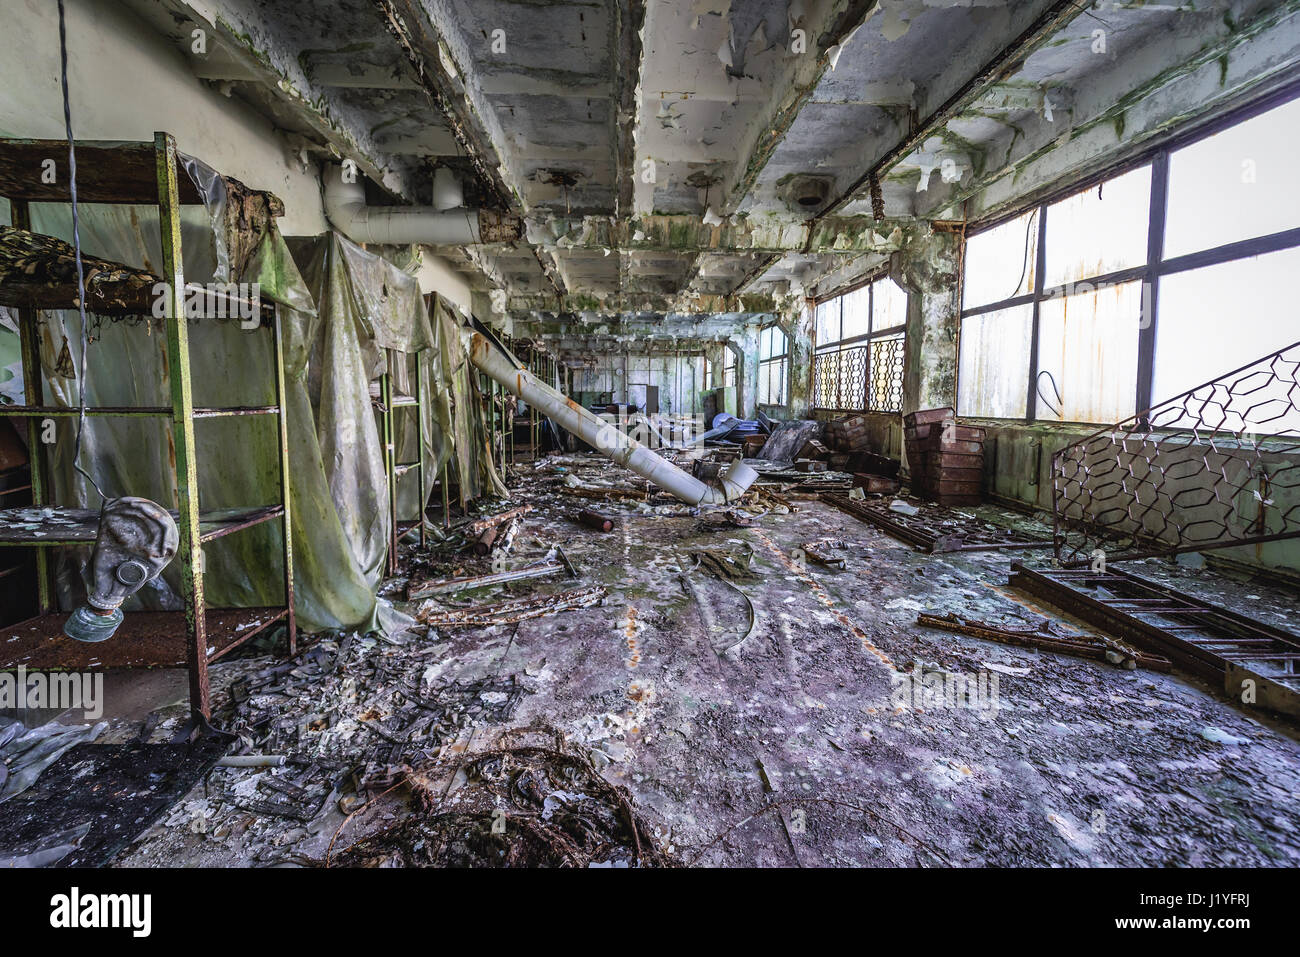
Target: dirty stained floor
<point x="788" y="748"/>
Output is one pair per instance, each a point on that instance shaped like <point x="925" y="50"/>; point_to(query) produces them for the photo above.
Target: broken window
<point x="858" y="363"/>
<point x="773" y="355"/>
<point x="1112" y="325"/>
<point x="729" y="368"/>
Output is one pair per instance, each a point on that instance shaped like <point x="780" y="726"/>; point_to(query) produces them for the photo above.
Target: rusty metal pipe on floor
<point x="486" y="540"/>
<point x="601" y="523"/>
<point x="621" y="448"/>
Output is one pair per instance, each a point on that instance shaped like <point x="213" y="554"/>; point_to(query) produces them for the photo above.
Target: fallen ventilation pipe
<point x="345" y="205"/>
<point x="497" y="364"/>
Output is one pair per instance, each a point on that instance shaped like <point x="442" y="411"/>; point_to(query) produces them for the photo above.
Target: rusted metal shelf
<point x="1197" y="635"/>
<point x="142" y="174"/>
<point x="133" y="411"/>
<point x="78" y="526"/>
<point x="935" y="528"/>
<point x="387" y="400"/>
<point x="146" y="639"/>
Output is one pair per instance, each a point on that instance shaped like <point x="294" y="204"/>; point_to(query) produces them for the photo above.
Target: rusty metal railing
<point x="1214" y="467"/>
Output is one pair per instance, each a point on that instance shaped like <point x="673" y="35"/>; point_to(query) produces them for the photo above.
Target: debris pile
<point x="526" y="806"/>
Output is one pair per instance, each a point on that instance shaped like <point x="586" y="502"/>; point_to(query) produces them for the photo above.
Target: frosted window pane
<point x="995" y="258"/>
<point x="1219" y="318"/>
<point x="828" y="322"/>
<point x="1088" y="344"/>
<point x="1236" y="184"/>
<point x="889" y="308"/>
<point x="857" y="312"/>
<point x="994" y="366"/>
<point x="1089" y="236"/>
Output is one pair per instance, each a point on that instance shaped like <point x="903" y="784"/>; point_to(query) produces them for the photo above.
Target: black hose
<point x="76" y="245"/>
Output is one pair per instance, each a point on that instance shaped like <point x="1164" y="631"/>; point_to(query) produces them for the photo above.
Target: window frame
<point x="763" y="365"/>
<point x="864" y="340"/>
<point x="1149" y="273"/>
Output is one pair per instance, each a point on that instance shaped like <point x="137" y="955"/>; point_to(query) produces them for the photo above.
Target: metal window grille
<point x="1214" y="467"/>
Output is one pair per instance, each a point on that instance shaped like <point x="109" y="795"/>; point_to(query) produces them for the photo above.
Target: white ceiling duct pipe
<point x="599" y="434"/>
<point x="345" y="205"/>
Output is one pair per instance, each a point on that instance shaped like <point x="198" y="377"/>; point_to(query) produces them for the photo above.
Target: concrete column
<point x="799" y="334"/>
<point x="928" y="268"/>
<point x="745" y="345"/>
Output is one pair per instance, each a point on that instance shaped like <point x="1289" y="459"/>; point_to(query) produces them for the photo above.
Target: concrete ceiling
<point x="657" y="149"/>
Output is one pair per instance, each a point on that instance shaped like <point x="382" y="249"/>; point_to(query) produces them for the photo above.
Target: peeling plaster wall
<point x="436" y="275"/>
<point x="126" y="83"/>
<point x="745" y="345"/>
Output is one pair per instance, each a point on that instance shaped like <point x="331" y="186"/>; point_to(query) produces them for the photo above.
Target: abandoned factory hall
<point x="650" y="434"/>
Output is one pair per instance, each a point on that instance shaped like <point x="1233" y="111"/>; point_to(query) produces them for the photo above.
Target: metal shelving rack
<point x="141" y="174"/>
<point x="389" y="401"/>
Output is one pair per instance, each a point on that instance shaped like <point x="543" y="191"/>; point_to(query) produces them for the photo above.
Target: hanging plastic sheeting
<point x="237" y="456"/>
<point x="365" y="305"/>
<point x="393" y="316"/>
<point x="26" y="752"/>
<point x="476" y="473"/>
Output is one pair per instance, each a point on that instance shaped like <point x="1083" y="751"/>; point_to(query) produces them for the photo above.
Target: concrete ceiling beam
<point x="240" y="44"/>
<point x="1117" y="114"/>
<point x="686" y="233"/>
<point x="1001" y="67"/>
<point x="615" y="303"/>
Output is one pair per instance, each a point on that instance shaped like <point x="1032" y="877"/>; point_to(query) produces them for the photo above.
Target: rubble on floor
<point x="753" y="709"/>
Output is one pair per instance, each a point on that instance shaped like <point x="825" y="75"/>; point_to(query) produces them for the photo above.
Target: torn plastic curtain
<point x="435" y="402"/>
<point x="392" y="314"/>
<point x="476" y="471"/>
<point x="128" y="366"/>
<point x="26" y="752"/>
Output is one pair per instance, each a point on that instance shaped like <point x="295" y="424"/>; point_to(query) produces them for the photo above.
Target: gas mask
<point x="136" y="540"/>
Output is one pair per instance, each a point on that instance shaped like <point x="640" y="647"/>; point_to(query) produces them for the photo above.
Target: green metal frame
<point x="182" y="414"/>
<point x="389" y="402"/>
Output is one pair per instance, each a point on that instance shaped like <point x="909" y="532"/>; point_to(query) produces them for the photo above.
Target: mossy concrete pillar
<point x="928" y="268"/>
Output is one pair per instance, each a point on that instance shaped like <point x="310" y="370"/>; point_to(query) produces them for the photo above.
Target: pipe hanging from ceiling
<point x="498" y="365"/>
<point x="345" y="206"/>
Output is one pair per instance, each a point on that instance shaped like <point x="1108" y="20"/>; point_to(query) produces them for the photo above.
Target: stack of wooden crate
<point x="946" y="460"/>
<point x="849" y="433"/>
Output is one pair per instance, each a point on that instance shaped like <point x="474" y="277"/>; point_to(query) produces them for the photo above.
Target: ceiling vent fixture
<point x="806" y="193"/>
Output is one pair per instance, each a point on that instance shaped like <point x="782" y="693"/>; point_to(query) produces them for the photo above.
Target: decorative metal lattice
<point x="886" y="391"/>
<point x="1214" y="467"/>
<point x="840" y="379"/>
<point x="865" y="377"/>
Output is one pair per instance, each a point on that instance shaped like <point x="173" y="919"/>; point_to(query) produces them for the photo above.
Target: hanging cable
<point x="76" y="245"/>
<point x="1024" y="259"/>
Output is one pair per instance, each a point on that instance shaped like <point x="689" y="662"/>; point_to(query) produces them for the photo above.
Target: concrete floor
<point x="1079" y="763"/>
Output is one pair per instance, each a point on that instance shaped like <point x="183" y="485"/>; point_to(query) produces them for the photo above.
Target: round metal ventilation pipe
<point x="599" y="434"/>
<point x="345" y="205"/>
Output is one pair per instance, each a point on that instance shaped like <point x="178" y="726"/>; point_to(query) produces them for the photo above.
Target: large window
<point x="773" y="360"/>
<point x="858" y="363"/>
<point x="1139" y="288"/>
